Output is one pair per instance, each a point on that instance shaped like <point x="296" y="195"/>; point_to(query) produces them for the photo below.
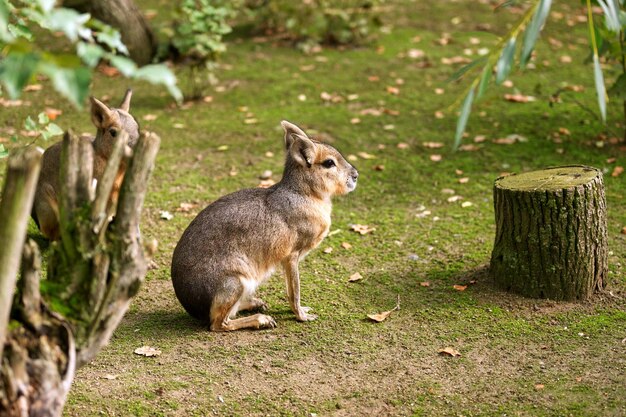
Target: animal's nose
<point x="355" y="174"/>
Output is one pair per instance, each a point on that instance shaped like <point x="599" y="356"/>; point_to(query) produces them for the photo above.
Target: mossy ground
<point x="519" y="356"/>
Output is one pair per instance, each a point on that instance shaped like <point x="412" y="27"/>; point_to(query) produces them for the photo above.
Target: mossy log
<point x="93" y="273"/>
<point x="551" y="233"/>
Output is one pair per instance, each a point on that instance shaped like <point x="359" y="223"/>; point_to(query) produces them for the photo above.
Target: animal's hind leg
<point x="252" y="303"/>
<point x="225" y="305"/>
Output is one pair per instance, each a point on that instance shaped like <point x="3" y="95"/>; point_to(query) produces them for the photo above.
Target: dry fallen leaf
<point x="459" y="287"/>
<point x="454" y="198"/>
<point x="415" y="53"/>
<point x="355" y="277"/>
<point x="53" y="113"/>
<point x="455" y="60"/>
<point x="328" y="250"/>
<point x="147" y="351"/>
<point x="466" y="204"/>
<point x="366" y="155"/>
<point x="266" y="183"/>
<point x="464" y="180"/>
<point x="32" y="87"/>
<point x="150" y="117"/>
<point x="469" y="147"/>
<point x="382" y="316"/>
<point x="432" y="145"/>
<point x="110" y="377"/>
<point x="250" y="121"/>
<point x="539" y="387"/>
<point x="449" y="351"/>
<point x="617" y="171"/>
<point x="519" y="98"/>
<point x="362" y="228"/>
<point x="402" y="145"/>
<point x="393" y="90"/>
<point x="425" y="284"/>
<point x="379" y="167"/>
<point x="435" y="158"/>
<point x="439" y="115"/>
<point x="346" y="245"/>
<point x="186" y="207"/>
<point x="624" y="230"/>
<point x="108" y="70"/>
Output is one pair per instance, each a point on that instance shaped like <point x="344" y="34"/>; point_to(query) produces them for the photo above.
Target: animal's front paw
<point x="266" y="322"/>
<point x="302" y="314"/>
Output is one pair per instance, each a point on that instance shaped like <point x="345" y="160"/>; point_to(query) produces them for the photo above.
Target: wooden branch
<point x="15" y="207"/>
<point x="99" y="213"/>
<point x="128" y="264"/>
<point x="30" y="297"/>
<point x="68" y="177"/>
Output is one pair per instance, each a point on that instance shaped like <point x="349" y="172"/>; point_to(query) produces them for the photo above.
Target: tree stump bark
<point x="551" y="233"/>
<point x="127" y="18"/>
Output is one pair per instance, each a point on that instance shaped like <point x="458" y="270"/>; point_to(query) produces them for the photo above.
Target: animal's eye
<point x="113" y="132"/>
<point x="329" y="163"/>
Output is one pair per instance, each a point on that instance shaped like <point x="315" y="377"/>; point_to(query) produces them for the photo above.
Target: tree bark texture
<point x="551" y="233"/>
<point x="127" y="18"/>
<point x="93" y="273"/>
<point x="15" y="206"/>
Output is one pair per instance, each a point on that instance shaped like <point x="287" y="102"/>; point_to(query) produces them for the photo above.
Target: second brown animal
<point x="109" y="122"/>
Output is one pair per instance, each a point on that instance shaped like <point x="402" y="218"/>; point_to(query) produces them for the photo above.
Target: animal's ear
<point x="302" y="150"/>
<point x="100" y="114"/>
<point x="125" y="104"/>
<point x="291" y="132"/>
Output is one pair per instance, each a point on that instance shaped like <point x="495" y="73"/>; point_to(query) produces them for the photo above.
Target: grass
<point x="519" y="356"/>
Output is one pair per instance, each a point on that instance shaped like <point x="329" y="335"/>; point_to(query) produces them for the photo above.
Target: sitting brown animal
<point x="235" y="243"/>
<point x="108" y="122"/>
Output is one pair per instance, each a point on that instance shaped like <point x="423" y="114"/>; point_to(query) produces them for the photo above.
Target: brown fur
<point x="235" y="243"/>
<point x="108" y="122"/>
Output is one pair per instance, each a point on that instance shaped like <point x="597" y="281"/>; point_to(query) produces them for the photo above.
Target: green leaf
<point x="466" y="108"/>
<point x="533" y="29"/>
<point x="5" y="35"/>
<point x="461" y="71"/>
<point x="3" y="151"/>
<point x="160" y="74"/>
<point x="503" y="66"/>
<point x="54" y="130"/>
<point x="618" y="89"/>
<point x="111" y="38"/>
<point x="15" y="71"/>
<point x="43" y="118"/>
<point x="611" y="14"/>
<point x="600" y="90"/>
<point x="90" y="53"/>
<point x="484" y="81"/>
<point x="69" y="22"/>
<point x="29" y="124"/>
<point x="72" y="83"/>
<point x="46" y="5"/>
<point x="126" y="66"/>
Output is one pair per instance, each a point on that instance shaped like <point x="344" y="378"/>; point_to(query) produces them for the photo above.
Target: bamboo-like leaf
<point x="503" y="66"/>
<point x="600" y="89"/>
<point x="460" y="72"/>
<point x="484" y="81"/>
<point x="533" y="29"/>
<point x="466" y="108"/>
<point x="611" y="14"/>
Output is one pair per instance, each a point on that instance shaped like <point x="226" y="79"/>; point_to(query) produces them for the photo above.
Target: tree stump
<point x="551" y="233"/>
